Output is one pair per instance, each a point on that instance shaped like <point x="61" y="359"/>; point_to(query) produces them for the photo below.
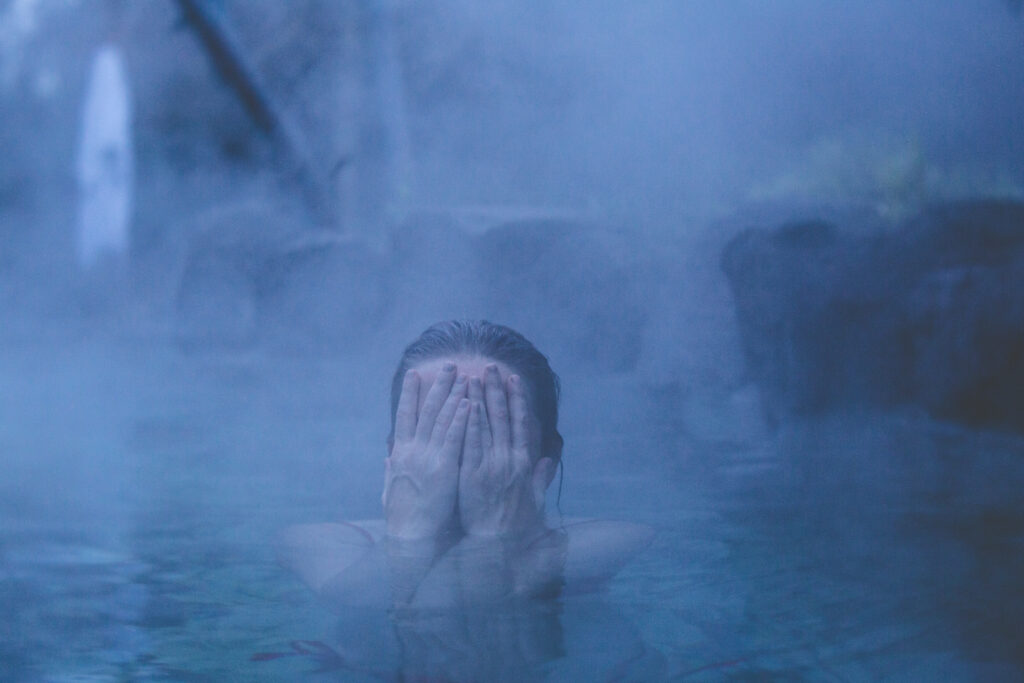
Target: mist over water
<point x="575" y="171"/>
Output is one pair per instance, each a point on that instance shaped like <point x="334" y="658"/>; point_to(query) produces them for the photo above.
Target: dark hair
<point x="499" y="343"/>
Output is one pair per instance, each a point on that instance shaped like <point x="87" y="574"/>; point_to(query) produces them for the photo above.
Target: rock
<point x="969" y="343"/>
<point x="690" y="337"/>
<point x="569" y="284"/>
<point x="929" y="314"/>
<point x="253" y="275"/>
<point x="433" y="274"/>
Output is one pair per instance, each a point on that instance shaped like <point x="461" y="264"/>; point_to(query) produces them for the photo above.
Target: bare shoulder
<point x="598" y="549"/>
<point x="363" y="532"/>
<point x="318" y="552"/>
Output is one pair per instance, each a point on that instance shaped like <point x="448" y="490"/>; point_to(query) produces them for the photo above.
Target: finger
<point x="456" y="434"/>
<point x="408" y="400"/>
<point x="476" y="393"/>
<point x="540" y="480"/>
<point x="435" y="399"/>
<point x="497" y="407"/>
<point x="451" y="404"/>
<point x="519" y="418"/>
<point x="473" y="454"/>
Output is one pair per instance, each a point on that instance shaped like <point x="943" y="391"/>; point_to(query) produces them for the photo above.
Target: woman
<point x="474" y="446"/>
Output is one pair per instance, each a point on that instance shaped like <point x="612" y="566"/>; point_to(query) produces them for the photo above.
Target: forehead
<point x="472" y="366"/>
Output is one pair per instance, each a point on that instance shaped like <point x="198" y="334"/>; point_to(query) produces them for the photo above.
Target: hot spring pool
<point x="142" y="489"/>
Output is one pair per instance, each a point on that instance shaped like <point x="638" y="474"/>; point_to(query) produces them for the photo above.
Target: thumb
<point x="541" y="478"/>
<point x="387" y="480"/>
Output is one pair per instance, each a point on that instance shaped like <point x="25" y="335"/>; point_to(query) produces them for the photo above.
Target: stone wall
<point x="930" y="313"/>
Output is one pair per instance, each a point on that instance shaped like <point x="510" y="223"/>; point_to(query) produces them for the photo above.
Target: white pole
<point x="105" y="166"/>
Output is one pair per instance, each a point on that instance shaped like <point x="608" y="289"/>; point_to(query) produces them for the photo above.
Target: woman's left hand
<point x="421" y="471"/>
<point x="501" y="489"/>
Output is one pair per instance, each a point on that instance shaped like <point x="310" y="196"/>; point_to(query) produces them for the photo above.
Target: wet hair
<point x="498" y="343"/>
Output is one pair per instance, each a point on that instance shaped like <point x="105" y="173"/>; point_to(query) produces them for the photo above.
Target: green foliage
<point x="895" y="178"/>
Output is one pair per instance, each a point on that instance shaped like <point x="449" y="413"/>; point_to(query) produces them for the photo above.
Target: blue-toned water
<point x="143" y="487"/>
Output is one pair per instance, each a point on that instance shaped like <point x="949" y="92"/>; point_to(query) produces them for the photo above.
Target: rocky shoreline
<point x="929" y="313"/>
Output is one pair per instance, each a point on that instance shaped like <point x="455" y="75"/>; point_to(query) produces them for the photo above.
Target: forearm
<point x="485" y="569"/>
<point x="388" y="574"/>
<point x="417" y="571"/>
<point x="494" y="568"/>
<point x="473" y="570"/>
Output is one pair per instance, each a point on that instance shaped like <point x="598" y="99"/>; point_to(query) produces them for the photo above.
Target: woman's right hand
<point x="501" y="489"/>
<point x="422" y="470"/>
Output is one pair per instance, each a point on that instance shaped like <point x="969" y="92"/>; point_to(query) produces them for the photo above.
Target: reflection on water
<point x="144" y="487"/>
<point x="576" y="638"/>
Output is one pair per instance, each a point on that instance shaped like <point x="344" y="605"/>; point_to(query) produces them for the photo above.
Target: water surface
<point x="144" y="486"/>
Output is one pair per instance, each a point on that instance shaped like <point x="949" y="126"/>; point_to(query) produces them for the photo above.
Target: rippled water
<point x="142" y="489"/>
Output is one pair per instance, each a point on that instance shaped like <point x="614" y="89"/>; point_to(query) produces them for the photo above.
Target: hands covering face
<point x="469" y="444"/>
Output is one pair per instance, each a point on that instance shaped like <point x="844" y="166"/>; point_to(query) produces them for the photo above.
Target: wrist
<point x="418" y="529"/>
<point x="527" y="523"/>
<point x="409" y="560"/>
<point x="411" y="534"/>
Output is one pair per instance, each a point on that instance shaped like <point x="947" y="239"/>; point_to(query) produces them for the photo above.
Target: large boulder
<point x="254" y="276"/>
<point x="431" y="261"/>
<point x="568" y="283"/>
<point x="930" y="313"/>
<point x="564" y="281"/>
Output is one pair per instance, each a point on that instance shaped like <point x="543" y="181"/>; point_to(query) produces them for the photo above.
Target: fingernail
<point x="461" y="379"/>
<point x="449" y="367"/>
